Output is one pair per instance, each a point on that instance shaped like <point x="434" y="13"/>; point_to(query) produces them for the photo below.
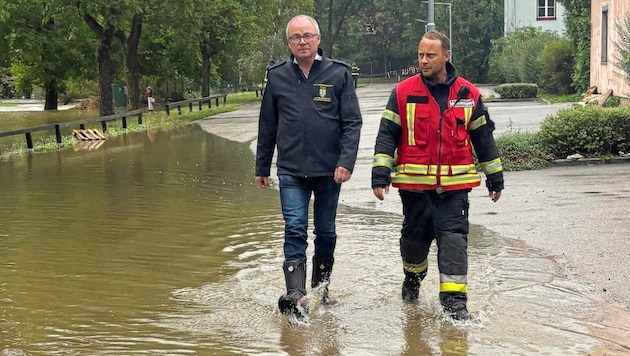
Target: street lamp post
<point x="431" y="25"/>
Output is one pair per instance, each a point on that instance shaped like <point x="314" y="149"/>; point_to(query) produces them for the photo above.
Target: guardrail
<point x="81" y="123"/>
<point x="191" y="102"/>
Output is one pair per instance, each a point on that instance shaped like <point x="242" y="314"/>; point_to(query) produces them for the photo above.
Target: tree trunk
<point x="52" y="95"/>
<point x="132" y="66"/>
<point x="104" y="60"/>
<point x="104" y="63"/>
<point x="205" y="70"/>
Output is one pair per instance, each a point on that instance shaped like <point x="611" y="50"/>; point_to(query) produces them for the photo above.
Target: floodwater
<point x="159" y="243"/>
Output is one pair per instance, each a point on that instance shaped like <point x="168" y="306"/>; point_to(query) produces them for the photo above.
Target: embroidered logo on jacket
<point x="462" y="103"/>
<point x="323" y="93"/>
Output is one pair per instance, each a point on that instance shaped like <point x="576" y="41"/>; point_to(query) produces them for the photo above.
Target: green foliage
<point x="590" y="131"/>
<point x="612" y="102"/>
<point x="517" y="90"/>
<point x="556" y="67"/>
<point x="622" y="46"/>
<point x="475" y="25"/>
<point x="577" y="18"/>
<point x="522" y="151"/>
<point x="513" y="58"/>
<point x="555" y="98"/>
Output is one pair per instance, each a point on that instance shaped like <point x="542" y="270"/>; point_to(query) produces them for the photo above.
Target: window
<point x="605" y="34"/>
<point x="546" y="9"/>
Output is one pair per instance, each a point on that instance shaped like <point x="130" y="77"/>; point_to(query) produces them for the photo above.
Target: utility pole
<point x="431" y="22"/>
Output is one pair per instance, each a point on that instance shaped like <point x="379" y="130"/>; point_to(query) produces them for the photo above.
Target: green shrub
<point x="522" y="151"/>
<point x="513" y="58"/>
<point x="517" y="90"/>
<point x="556" y="67"/>
<point x="590" y="131"/>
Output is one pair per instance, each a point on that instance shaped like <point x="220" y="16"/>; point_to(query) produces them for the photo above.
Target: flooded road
<point x="159" y="243"/>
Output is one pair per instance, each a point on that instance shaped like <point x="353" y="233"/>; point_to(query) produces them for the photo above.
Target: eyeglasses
<point x="308" y="37"/>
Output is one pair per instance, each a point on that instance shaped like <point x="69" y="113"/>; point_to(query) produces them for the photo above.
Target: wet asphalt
<point x="578" y="215"/>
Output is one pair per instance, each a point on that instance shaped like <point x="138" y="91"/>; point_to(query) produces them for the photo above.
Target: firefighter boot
<point x="322" y="268"/>
<point x="411" y="285"/>
<point x="293" y="302"/>
<point x="454" y="305"/>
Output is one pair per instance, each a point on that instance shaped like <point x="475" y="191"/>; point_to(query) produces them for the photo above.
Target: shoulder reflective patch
<point x="462" y="103"/>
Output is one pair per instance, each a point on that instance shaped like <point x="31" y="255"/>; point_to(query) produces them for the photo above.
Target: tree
<point x="46" y="48"/>
<point x="578" y="22"/>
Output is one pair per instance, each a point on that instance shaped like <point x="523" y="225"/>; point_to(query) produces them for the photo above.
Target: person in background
<point x="310" y="113"/>
<point x="427" y="133"/>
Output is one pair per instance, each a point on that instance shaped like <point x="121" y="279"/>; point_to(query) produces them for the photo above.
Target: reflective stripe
<point x="416" y="268"/>
<point x="383" y="160"/>
<point x="493" y="166"/>
<point x="391" y="116"/>
<point x="453" y="283"/>
<point x="414" y="179"/>
<point x="478" y="122"/>
<point x="461" y="169"/>
<point x="450" y="287"/>
<point x="410" y="115"/>
<point x="445" y="170"/>
<point x="467" y="114"/>
<point x="447" y="181"/>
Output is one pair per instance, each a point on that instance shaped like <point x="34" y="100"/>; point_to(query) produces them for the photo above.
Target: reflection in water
<point x="159" y="243"/>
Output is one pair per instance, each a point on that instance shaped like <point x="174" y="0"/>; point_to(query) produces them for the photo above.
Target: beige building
<point x="605" y="74"/>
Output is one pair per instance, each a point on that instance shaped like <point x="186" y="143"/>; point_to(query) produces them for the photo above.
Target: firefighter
<point x="426" y="137"/>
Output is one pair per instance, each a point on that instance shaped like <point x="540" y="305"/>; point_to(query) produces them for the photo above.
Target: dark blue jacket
<point x="314" y="122"/>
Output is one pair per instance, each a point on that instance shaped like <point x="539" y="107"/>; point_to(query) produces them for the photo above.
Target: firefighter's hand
<point x="494" y="195"/>
<point x="342" y="175"/>
<point x="263" y="182"/>
<point x="378" y="192"/>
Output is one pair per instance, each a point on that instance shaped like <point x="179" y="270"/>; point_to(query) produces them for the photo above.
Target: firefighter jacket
<point x="428" y="143"/>
<point x="315" y="121"/>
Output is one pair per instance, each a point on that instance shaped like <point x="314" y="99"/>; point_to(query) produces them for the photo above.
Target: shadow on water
<point x="159" y="243"/>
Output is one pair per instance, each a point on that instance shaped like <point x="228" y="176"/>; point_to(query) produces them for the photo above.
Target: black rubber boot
<point x="411" y="285"/>
<point x="293" y="302"/>
<point x="322" y="268"/>
<point x="454" y="305"/>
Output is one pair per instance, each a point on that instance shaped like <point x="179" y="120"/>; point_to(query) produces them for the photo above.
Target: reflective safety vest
<point x="435" y="150"/>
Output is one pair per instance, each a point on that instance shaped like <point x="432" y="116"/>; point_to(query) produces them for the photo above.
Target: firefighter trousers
<point x="441" y="217"/>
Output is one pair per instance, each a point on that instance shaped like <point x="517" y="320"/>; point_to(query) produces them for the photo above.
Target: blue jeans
<point x="295" y="196"/>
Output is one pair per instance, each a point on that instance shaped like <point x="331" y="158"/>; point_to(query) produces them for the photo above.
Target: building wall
<point x="521" y="13"/>
<point x="605" y="74"/>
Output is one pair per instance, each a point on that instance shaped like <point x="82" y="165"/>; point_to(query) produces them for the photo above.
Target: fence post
<point x="29" y="141"/>
<point x="58" y="135"/>
<point x="104" y="125"/>
<point x="168" y="111"/>
<point x="140" y="119"/>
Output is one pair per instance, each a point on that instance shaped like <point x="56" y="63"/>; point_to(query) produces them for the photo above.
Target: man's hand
<point x="263" y="182"/>
<point x="494" y="195"/>
<point x="342" y="175"/>
<point x="378" y="192"/>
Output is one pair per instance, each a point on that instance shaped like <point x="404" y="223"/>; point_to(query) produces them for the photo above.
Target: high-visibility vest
<point x="435" y="150"/>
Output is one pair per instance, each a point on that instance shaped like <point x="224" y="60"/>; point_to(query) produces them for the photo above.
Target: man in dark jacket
<point x="427" y="133"/>
<point x="311" y="113"/>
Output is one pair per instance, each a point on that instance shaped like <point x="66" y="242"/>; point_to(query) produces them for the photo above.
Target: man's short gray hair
<point x="312" y="20"/>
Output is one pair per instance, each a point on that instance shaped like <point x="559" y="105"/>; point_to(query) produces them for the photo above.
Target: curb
<point x="588" y="161"/>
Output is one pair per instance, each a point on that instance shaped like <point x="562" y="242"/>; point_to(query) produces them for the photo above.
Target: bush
<point x="590" y="131"/>
<point x="522" y="151"/>
<point x="514" y="58"/>
<point x="556" y="67"/>
<point x="517" y="90"/>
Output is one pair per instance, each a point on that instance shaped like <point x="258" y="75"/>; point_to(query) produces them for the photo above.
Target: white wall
<point x="521" y="13"/>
